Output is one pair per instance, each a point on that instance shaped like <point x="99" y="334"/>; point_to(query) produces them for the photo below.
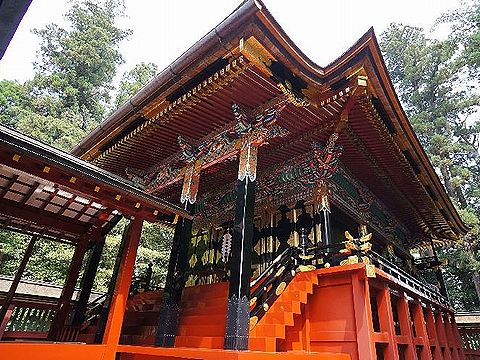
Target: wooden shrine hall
<point x="306" y="214"/>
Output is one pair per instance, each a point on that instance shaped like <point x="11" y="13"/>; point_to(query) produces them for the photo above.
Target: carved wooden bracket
<point x="191" y="182"/>
<point x="251" y="129"/>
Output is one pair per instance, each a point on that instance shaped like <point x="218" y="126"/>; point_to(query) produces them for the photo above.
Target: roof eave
<point x="239" y="19"/>
<point x="213" y="39"/>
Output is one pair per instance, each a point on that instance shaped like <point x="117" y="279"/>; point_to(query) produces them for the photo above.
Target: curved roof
<point x="251" y="29"/>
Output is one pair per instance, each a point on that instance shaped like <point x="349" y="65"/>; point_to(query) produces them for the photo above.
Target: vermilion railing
<point x="28" y="320"/>
<point x="470" y="334"/>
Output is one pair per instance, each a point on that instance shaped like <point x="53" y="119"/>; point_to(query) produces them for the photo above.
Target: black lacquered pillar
<point x="175" y="282"/>
<point x="238" y="307"/>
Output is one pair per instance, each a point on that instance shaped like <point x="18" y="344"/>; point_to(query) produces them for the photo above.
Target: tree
<point x="13" y="99"/>
<point x="70" y="91"/>
<point x="430" y="78"/>
<point x="49" y="261"/>
<point x="133" y="80"/>
<point x="77" y="66"/>
<point x="69" y="94"/>
<point x="465" y="24"/>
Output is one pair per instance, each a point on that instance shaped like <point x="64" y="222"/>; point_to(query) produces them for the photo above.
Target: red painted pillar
<point x="122" y="287"/>
<point x="458" y="338"/>
<point x="432" y="334"/>
<point x="450" y="337"/>
<point x="363" y="317"/>
<point x="63" y="307"/>
<point x="442" y="336"/>
<point x="421" y="331"/>
<point x="385" y="317"/>
<point x="405" y="326"/>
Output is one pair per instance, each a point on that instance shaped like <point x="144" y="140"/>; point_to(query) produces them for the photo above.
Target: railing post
<point x="13" y="286"/>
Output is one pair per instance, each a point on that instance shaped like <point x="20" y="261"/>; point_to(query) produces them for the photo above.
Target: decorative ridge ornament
<point x="357" y="248"/>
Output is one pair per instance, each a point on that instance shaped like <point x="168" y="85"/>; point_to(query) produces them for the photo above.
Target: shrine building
<point x="306" y="213"/>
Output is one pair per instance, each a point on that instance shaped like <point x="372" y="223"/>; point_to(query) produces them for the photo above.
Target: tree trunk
<point x="461" y="197"/>
<point x="446" y="181"/>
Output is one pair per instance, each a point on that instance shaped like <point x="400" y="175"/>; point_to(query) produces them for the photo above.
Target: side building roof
<point x="48" y="192"/>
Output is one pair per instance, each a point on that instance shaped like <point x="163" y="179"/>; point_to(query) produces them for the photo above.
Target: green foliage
<point x="13" y="99"/>
<point x="466" y="32"/>
<point x="436" y="91"/>
<point x="77" y="65"/>
<point x="70" y="92"/>
<point x="12" y="247"/>
<point x="49" y="261"/>
<point x="133" y="80"/>
<point x="68" y="96"/>
<point x="62" y="131"/>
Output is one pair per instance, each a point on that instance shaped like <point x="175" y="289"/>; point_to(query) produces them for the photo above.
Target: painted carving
<point x="293" y="97"/>
<point x="294" y="180"/>
<point x="247" y="166"/>
<point x="326" y="158"/>
<point x="191" y="182"/>
<point x="254" y="128"/>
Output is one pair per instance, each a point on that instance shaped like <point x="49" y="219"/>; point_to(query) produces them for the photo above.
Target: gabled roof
<point x="244" y="59"/>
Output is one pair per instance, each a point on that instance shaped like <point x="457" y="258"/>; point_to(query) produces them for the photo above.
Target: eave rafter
<point x="48" y="172"/>
<point x="431" y="224"/>
<point x="255" y="126"/>
<point x="226" y="142"/>
<point x="43" y="219"/>
<point x="161" y="112"/>
<point x="440" y="230"/>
